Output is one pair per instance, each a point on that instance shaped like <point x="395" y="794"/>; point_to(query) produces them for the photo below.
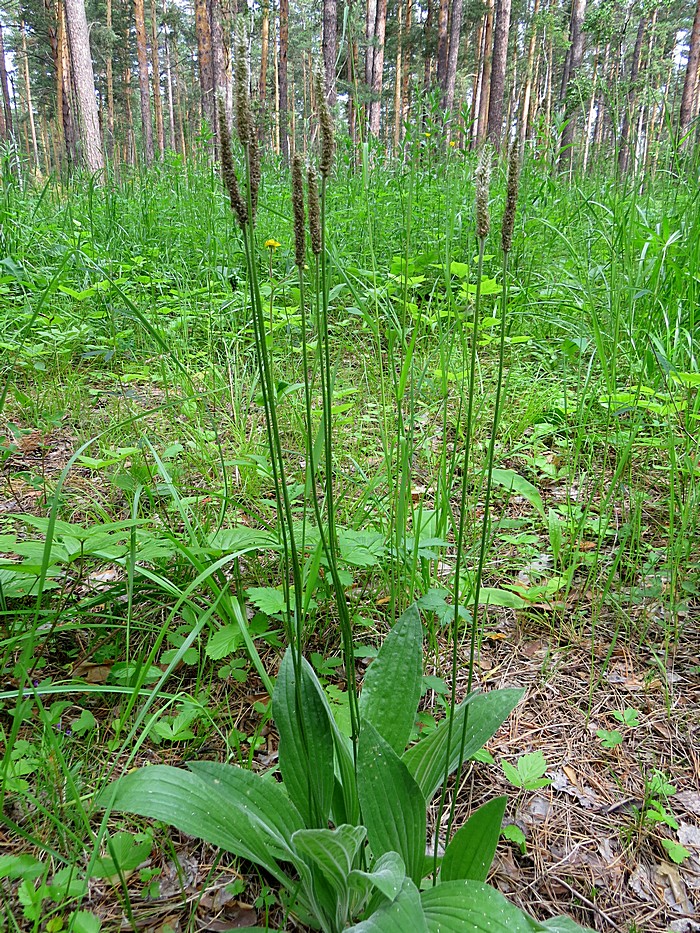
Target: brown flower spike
<point x="298" y="210"/>
<point x="511" y="198"/>
<point x="228" y="172"/>
<point x="314" y="211"/>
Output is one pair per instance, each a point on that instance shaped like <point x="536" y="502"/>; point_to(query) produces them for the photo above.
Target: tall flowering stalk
<point x="244" y="206"/>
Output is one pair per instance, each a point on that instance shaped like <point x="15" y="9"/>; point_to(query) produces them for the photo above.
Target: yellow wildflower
<point x="272" y="244"/>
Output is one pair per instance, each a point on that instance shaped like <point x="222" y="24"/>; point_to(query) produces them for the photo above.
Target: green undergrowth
<point x="142" y="593"/>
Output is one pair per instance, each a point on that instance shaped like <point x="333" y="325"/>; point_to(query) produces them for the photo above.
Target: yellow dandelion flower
<point x="427" y="135"/>
<point x="452" y="144"/>
<point x="272" y="244"/>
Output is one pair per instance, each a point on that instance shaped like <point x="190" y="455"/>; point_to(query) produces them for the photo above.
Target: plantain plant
<point x="347" y="841"/>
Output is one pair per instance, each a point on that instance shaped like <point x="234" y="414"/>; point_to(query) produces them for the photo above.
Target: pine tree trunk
<point x="442" y="43"/>
<point x="283" y="87"/>
<point x="370" y="29"/>
<point x="573" y="63"/>
<point x="428" y="43"/>
<point x="155" y="69"/>
<point x="397" y="77"/>
<point x="486" y="75"/>
<point x="83" y="76"/>
<point x="130" y="134"/>
<point x="63" y="82"/>
<point x="330" y="47"/>
<point x="628" y="117"/>
<point x="375" y="107"/>
<point x="406" y="62"/>
<point x="498" y="72"/>
<point x="264" y="56"/>
<point x="476" y="80"/>
<point x="4" y="88"/>
<point x="453" y="54"/>
<point x="141" y="55"/>
<point x="527" y="90"/>
<point x="219" y="81"/>
<point x="169" y="85"/>
<point x="691" y="75"/>
<point x="206" y="68"/>
<point x="110" y="86"/>
<point x="28" y="93"/>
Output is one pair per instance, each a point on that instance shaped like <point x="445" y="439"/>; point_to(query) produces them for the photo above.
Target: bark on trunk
<point x="28" y="92"/>
<point x="375" y="107"/>
<point x="691" y="74"/>
<point x="141" y="55"/>
<point x="330" y="47"/>
<point x="262" y="80"/>
<point x="629" y="116"/>
<point x="169" y="85"/>
<point x="110" y="86"/>
<point x="527" y="90"/>
<point x="442" y="43"/>
<point x="5" y="89"/>
<point x="453" y="54"/>
<point x="283" y="105"/>
<point x="219" y="77"/>
<point x="498" y="72"/>
<point x="155" y="69"/>
<point x="574" y="57"/>
<point x="206" y="68"/>
<point x="84" y="80"/>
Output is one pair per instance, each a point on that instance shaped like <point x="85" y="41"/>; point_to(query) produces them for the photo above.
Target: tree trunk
<point x="5" y="89"/>
<point x="370" y="28"/>
<point x="624" y="153"/>
<point x="573" y="63"/>
<point x="264" y="56"/>
<point x="330" y="47"/>
<point x="169" y="85"/>
<point x="28" y="92"/>
<point x="453" y="54"/>
<point x="591" y="115"/>
<point x="63" y="86"/>
<point x="442" y="43"/>
<point x="428" y="43"/>
<point x="375" y="107"/>
<point x="406" y="62"/>
<point x="206" y="68"/>
<point x="691" y="74"/>
<point x="141" y="55"/>
<point x="284" y="101"/>
<point x="498" y="72"/>
<point x="83" y="76"/>
<point x="527" y="90"/>
<point x="397" y="78"/>
<point x="110" y="86"/>
<point x="155" y="69"/>
<point x="219" y="77"/>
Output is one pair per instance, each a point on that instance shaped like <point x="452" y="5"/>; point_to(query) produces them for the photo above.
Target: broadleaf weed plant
<point x="344" y="833"/>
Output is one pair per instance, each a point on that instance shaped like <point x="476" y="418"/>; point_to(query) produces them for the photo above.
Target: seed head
<point x="314" y="211"/>
<point x="326" y="120"/>
<point x="511" y="198"/>
<point x="244" y="117"/>
<point x="228" y="172"/>
<point x="483" y="174"/>
<point x="298" y="209"/>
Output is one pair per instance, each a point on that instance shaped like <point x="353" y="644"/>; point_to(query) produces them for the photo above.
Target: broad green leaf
<point x="195" y="807"/>
<point x="458" y="906"/>
<point x="387" y="875"/>
<point x="20" y="866"/>
<point x="485" y="712"/>
<point x="509" y="479"/>
<point x="402" y="915"/>
<point x="392" y="685"/>
<point x="306" y="742"/>
<point x="493" y="596"/>
<point x="333" y="851"/>
<point x="393" y="807"/>
<point x="265" y="800"/>
<point x="470" y="851"/>
<point x="563" y="925"/>
<point x="84" y="921"/>
<point x="361" y="548"/>
<point x="241" y="540"/>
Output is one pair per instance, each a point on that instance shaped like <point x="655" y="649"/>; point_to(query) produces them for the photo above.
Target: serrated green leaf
<point x="20" y="866"/>
<point x="470" y="851"/>
<point x="392" y="686"/>
<point x="125" y="853"/>
<point x="485" y="712"/>
<point x="224" y="642"/>
<point x="268" y="599"/>
<point x="393" y="807"/>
